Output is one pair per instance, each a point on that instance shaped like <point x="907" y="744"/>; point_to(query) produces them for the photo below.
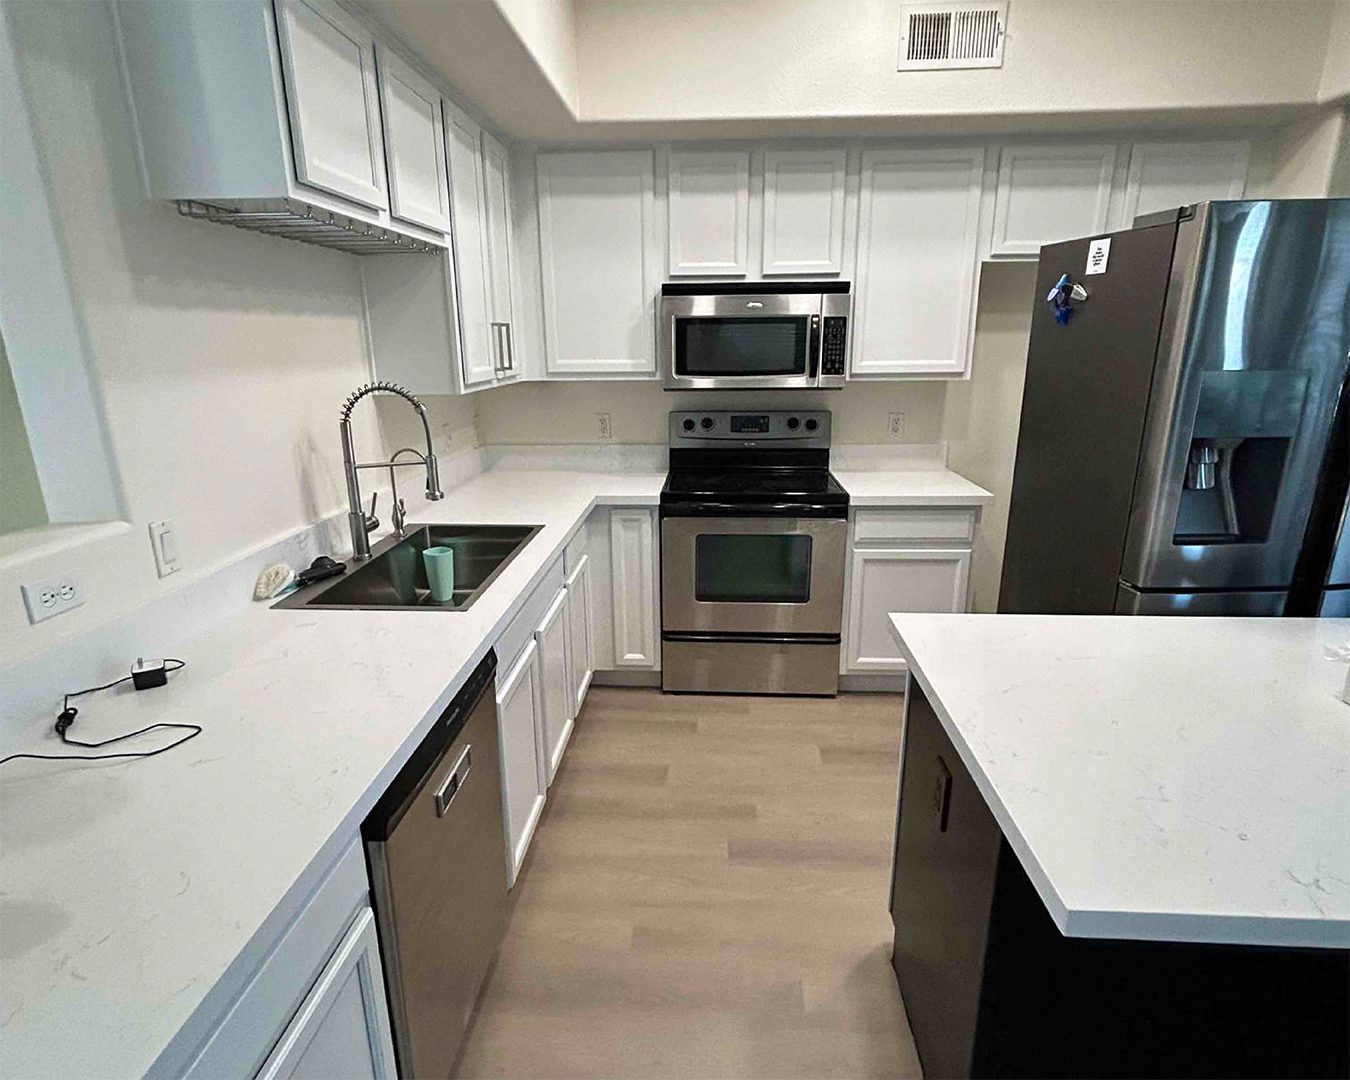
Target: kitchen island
<point x="1121" y="845"/>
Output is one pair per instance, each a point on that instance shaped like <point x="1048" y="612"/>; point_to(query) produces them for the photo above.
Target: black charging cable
<point x="69" y="712"/>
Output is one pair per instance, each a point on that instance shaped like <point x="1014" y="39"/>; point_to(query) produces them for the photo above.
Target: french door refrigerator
<point x="1179" y="447"/>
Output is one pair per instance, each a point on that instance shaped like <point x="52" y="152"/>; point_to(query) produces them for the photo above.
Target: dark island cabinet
<point x="992" y="988"/>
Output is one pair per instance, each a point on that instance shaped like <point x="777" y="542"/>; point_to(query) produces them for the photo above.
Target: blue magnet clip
<point x="1061" y="295"/>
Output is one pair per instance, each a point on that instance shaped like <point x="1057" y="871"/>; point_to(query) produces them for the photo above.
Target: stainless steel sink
<point x="395" y="577"/>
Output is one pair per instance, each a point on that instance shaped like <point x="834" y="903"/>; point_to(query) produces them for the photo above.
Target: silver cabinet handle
<point x="451" y="785"/>
<point x="510" y="348"/>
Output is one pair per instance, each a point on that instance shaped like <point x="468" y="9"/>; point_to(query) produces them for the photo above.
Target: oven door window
<point x="739" y="568"/>
<point x="748" y="346"/>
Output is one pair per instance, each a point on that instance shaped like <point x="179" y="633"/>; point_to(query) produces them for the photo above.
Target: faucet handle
<point x="372" y="522"/>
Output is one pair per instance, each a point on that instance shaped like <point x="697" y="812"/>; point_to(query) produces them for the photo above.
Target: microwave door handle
<point x="813" y="348"/>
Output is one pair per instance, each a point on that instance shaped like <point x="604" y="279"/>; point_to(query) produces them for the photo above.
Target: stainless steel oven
<point x="754" y="335"/>
<point x="754" y="537"/>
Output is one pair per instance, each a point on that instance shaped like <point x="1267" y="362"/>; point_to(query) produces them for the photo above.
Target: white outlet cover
<point x="895" y="425"/>
<point x="55" y="596"/>
<point x="165" y="546"/>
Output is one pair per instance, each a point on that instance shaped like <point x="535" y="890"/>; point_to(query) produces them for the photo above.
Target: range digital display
<point x="750" y="425"/>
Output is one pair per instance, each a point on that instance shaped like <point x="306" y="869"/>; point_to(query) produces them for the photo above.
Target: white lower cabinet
<point x="555" y="674"/>
<point x="633" y="563"/>
<point x="342" y="1029"/>
<point x="579" y="633"/>
<point x="902" y="559"/>
<point x="524" y="782"/>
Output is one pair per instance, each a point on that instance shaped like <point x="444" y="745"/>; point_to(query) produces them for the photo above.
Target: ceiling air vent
<point x="960" y="35"/>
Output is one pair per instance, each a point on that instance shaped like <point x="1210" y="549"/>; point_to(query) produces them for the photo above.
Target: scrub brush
<point x="273" y="581"/>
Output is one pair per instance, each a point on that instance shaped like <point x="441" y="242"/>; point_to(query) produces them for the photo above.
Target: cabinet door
<point x="918" y="231"/>
<point x="478" y="355"/>
<point x="1050" y="193"/>
<point x="555" y="674"/>
<point x="889" y="580"/>
<point x="804" y="211"/>
<point x="632" y="540"/>
<point x="499" y="239"/>
<point x="1164" y="176"/>
<point x="414" y="145"/>
<point x="579" y="622"/>
<point x="519" y="703"/>
<point x="342" y="1029"/>
<point x="328" y="60"/>
<point x="598" y="248"/>
<point x="709" y="212"/>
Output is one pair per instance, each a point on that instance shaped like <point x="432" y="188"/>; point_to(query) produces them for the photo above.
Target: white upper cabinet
<point x="479" y="356"/>
<point x="804" y="211"/>
<point x="709" y="212"/>
<point x="328" y="59"/>
<point x="600" y="263"/>
<point x="1050" y="193"/>
<point x="1164" y="176"/>
<point x="499" y="241"/>
<point x="414" y="144"/>
<point x="918" y="236"/>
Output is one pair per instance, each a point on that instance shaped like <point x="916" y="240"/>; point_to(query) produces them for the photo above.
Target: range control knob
<point x="688" y="424"/>
<point x="811" y="425"/>
<point x="793" y="423"/>
<point x="706" y="423"/>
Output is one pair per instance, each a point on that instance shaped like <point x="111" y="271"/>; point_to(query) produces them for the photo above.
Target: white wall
<point x="558" y="413"/>
<point x="1305" y="155"/>
<point x="222" y="357"/>
<point x="982" y="416"/>
<point x="651" y="60"/>
<point x="547" y="29"/>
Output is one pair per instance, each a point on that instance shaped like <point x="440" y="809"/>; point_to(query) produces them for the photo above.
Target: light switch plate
<point x="164" y="543"/>
<point x="52" y="597"/>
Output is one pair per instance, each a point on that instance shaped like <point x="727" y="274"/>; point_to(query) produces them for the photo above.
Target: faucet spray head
<point x="434" y="491"/>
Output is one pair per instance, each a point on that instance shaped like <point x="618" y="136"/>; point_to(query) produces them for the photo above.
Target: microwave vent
<point x="946" y="36"/>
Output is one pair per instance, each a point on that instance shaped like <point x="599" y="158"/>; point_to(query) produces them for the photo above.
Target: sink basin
<point x="395" y="577"/>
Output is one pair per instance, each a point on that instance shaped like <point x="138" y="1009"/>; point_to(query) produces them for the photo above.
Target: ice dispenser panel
<point x="1244" y="424"/>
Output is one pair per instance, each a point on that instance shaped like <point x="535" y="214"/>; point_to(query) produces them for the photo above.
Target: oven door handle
<point x="814" y="347"/>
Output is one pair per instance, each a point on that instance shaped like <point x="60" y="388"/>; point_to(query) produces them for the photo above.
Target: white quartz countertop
<point x="1160" y="778"/>
<point x="137" y="895"/>
<point x="910" y="487"/>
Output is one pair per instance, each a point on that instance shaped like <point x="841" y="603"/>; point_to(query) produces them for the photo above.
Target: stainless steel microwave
<point x="754" y="335"/>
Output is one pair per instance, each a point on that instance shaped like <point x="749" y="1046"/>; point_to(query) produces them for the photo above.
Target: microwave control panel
<point x="833" y="344"/>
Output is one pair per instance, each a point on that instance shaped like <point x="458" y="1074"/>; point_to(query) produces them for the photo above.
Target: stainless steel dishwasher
<point x="437" y="852"/>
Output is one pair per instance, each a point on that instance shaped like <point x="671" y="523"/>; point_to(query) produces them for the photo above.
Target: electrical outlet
<point x="52" y="597"/>
<point x="606" y="429"/>
<point x="164" y="543"/>
<point x="895" y="426"/>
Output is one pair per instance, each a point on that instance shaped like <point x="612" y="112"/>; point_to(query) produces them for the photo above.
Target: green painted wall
<point x="21" y="504"/>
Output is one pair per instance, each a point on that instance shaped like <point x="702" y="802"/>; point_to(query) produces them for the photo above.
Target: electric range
<point x="754" y="536"/>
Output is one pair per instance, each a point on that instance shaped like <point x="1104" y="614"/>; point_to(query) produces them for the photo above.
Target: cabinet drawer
<point x="519" y="631"/>
<point x="921" y="523"/>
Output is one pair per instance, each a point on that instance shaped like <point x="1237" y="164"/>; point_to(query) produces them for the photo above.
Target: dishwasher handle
<point x="445" y="794"/>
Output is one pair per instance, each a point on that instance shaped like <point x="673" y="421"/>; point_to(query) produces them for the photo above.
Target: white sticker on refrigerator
<point x="1098" y="252"/>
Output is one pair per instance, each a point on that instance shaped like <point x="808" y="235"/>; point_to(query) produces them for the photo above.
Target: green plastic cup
<point x="440" y="564"/>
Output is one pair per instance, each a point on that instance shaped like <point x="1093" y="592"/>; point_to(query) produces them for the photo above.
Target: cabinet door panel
<point x="328" y="59"/>
<point x="804" y="211"/>
<point x="1164" y="176"/>
<point x="709" y="212"/>
<point x="414" y="145"/>
<point x="889" y="580"/>
<point x="523" y="780"/>
<point x="500" y="243"/>
<point x="342" y="1029"/>
<point x="918" y="230"/>
<point x="579" y="623"/>
<point x="478" y="354"/>
<point x="1050" y="193"/>
<point x="633" y="560"/>
<point x="598" y="250"/>
<point x="555" y="672"/>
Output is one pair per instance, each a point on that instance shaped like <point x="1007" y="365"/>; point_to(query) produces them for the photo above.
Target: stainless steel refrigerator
<point x="1181" y="449"/>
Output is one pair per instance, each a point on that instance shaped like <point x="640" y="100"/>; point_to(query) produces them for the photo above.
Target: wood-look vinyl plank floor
<point x="706" y="897"/>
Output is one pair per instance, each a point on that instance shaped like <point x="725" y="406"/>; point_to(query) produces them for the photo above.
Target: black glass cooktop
<point x="755" y="483"/>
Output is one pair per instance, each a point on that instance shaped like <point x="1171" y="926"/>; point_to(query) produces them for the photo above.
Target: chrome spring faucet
<point x="361" y="524"/>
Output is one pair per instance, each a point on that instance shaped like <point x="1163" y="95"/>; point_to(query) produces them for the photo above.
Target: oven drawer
<point x="749" y="575"/>
<point x="750" y="666"/>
